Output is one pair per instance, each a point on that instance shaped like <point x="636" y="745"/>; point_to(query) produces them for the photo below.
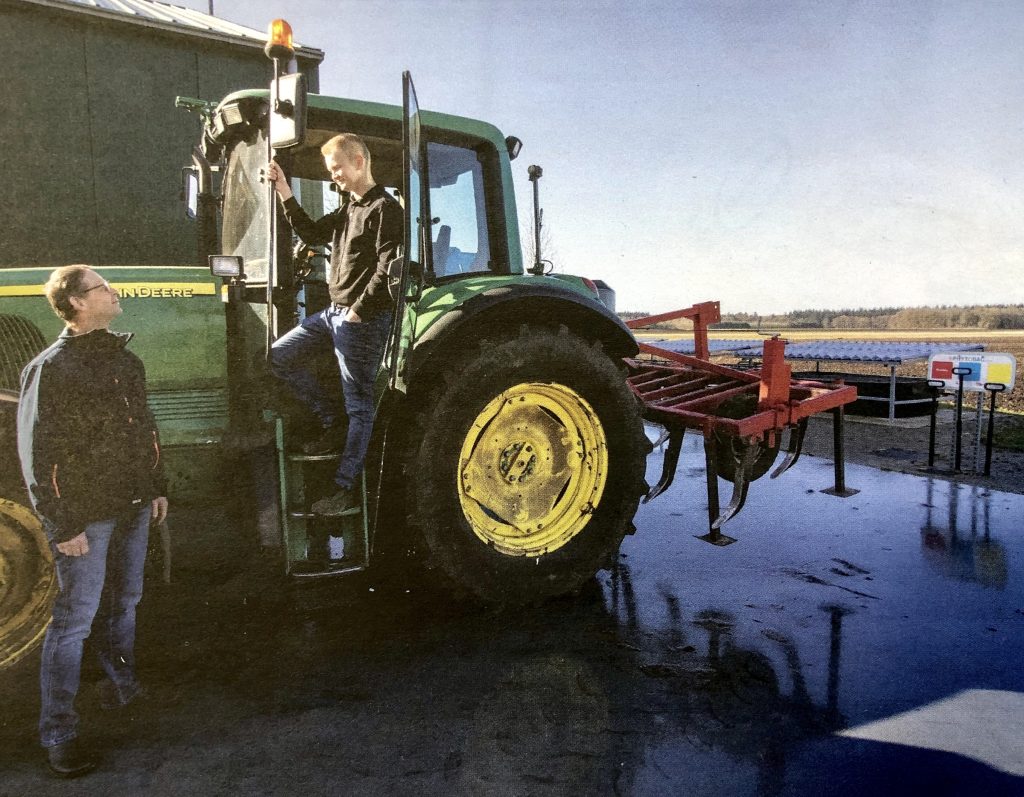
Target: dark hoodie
<point x="88" y="443"/>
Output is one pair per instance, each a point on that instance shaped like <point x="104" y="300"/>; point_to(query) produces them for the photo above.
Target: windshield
<point x="246" y="220"/>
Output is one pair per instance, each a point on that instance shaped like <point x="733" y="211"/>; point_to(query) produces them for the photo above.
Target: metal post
<point x="272" y="209"/>
<point x="711" y="471"/>
<point x="993" y="388"/>
<point x="933" y="421"/>
<point x="892" y="393"/>
<point x="535" y="173"/>
<point x="839" y="489"/>
<point x="714" y="536"/>
<point x="958" y="443"/>
<point x="838" y="446"/>
<point x="977" y="432"/>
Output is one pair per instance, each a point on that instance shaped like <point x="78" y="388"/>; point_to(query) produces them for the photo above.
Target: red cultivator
<point x="741" y="414"/>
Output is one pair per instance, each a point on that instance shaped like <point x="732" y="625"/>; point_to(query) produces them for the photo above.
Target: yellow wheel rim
<point x="28" y="582"/>
<point x="532" y="468"/>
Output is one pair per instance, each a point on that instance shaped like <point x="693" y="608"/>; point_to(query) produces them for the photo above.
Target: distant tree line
<point x="989" y="316"/>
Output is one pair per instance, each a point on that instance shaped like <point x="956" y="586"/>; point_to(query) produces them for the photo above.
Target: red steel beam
<point x="681" y="389"/>
<point x="702" y="315"/>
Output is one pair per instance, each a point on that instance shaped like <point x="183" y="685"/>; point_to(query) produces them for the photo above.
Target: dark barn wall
<point x="92" y="144"/>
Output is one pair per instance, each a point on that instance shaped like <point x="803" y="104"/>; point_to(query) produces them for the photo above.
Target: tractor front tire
<point x="28" y="582"/>
<point x="527" y="467"/>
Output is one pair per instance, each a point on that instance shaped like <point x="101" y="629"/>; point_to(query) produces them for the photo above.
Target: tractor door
<point x="416" y="253"/>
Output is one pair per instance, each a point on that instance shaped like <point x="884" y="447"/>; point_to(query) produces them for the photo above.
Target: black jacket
<point x="365" y="236"/>
<point x="87" y="440"/>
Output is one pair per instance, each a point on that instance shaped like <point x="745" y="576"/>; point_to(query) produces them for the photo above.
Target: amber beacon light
<point x="279" y="40"/>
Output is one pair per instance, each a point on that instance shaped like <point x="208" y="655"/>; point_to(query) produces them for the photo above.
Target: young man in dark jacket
<point x="365" y="234"/>
<point x="90" y="455"/>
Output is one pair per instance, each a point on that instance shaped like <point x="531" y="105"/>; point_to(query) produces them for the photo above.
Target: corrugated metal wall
<point x="92" y="143"/>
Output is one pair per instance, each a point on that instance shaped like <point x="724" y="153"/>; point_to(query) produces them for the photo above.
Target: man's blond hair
<point x="350" y="144"/>
<point x="64" y="283"/>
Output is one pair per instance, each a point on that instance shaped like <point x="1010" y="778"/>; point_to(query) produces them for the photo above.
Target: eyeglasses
<point x="101" y="284"/>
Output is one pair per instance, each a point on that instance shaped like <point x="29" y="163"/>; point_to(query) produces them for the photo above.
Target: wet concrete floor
<point x="867" y="645"/>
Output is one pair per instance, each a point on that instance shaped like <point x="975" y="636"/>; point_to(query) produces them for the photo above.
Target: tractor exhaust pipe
<point x="535" y="173"/>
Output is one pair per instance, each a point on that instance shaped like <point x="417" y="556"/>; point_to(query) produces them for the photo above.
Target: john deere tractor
<point x="509" y="451"/>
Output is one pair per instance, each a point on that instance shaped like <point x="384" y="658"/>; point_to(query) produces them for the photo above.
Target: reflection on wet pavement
<point x="969" y="554"/>
<point x="860" y="646"/>
<point x="919" y="589"/>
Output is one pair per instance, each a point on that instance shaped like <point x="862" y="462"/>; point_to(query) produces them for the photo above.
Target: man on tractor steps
<point x="90" y="455"/>
<point x="365" y="234"/>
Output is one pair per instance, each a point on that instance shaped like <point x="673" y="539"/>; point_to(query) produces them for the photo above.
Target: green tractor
<point x="509" y="451"/>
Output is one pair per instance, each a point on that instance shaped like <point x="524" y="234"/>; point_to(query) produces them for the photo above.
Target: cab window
<point x="461" y="243"/>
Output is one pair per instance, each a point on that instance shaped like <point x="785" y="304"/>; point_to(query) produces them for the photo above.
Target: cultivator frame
<point x="740" y="413"/>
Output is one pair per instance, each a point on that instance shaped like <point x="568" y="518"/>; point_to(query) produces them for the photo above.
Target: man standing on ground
<point x="365" y="234"/>
<point x="90" y="455"/>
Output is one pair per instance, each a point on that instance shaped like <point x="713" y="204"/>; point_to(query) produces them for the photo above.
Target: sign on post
<point x="988" y="368"/>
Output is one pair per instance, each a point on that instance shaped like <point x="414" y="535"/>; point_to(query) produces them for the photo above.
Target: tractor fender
<point x="510" y="306"/>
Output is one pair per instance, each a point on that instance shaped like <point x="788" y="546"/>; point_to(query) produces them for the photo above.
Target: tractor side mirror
<point x="288" y="111"/>
<point x="190" y="191"/>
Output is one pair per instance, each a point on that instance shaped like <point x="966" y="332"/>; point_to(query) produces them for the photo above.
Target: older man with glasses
<point x="90" y="455"/>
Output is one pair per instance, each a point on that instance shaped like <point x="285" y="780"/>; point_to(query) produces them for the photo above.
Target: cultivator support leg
<point x="839" y="489"/>
<point x="669" y="464"/>
<point x="714" y="536"/>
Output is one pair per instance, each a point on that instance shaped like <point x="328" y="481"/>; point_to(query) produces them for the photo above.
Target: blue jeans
<point x="359" y="348"/>
<point x="98" y="591"/>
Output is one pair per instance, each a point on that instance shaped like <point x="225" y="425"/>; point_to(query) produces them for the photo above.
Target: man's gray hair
<point x="64" y="283"/>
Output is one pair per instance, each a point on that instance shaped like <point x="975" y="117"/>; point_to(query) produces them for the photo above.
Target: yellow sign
<point x="164" y="290"/>
<point x="973" y="372"/>
<point x="21" y="290"/>
<point x="131" y="290"/>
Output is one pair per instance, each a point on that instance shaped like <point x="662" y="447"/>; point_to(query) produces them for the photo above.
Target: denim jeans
<point x="359" y="348"/>
<point x="98" y="591"/>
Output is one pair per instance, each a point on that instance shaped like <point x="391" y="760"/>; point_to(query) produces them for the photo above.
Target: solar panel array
<point x="889" y="352"/>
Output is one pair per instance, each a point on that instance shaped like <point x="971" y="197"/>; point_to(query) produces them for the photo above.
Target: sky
<point x="770" y="155"/>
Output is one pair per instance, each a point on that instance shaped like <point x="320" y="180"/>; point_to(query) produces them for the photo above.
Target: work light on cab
<point x="279" y="41"/>
<point x="228" y="266"/>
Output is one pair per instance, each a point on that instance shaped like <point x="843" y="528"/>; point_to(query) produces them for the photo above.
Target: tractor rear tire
<point x="526" y="467"/>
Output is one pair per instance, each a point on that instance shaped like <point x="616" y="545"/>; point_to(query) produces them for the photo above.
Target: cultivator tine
<point x="796" y="444"/>
<point x="671" y="460"/>
<point x="665" y="434"/>
<point x="740" y="485"/>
